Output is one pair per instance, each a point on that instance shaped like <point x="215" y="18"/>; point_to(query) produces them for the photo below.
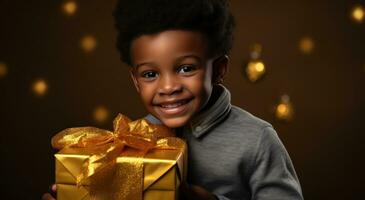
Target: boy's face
<point x="172" y="74"/>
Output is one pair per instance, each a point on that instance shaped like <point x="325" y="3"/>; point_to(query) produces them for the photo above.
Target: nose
<point x="169" y="85"/>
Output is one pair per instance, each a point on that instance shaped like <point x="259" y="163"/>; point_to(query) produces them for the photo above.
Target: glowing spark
<point x="3" y="70"/>
<point x="306" y="45"/>
<point x="88" y="43"/>
<point x="69" y="8"/>
<point x="284" y="110"/>
<point x="357" y="14"/>
<point x="255" y="70"/>
<point x="40" y="87"/>
<point x="101" y="114"/>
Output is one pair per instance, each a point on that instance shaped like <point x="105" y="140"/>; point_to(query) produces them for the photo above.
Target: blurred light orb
<point x="40" y="87"/>
<point x="306" y="45"/>
<point x="101" y="114"/>
<point x="284" y="110"/>
<point x="88" y="43"/>
<point x="256" y="50"/>
<point x="260" y="66"/>
<point x="3" y="69"/>
<point x="255" y="70"/>
<point x="69" y="7"/>
<point x="358" y="13"/>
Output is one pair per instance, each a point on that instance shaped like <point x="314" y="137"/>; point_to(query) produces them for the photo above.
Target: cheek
<point x="146" y="93"/>
<point x="200" y="86"/>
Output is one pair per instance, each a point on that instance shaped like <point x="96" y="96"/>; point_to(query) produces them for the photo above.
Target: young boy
<point x="178" y="53"/>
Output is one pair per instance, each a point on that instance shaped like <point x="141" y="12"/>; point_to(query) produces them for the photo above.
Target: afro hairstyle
<point x="212" y="18"/>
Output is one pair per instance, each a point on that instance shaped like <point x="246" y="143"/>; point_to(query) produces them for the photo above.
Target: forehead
<point x="168" y="45"/>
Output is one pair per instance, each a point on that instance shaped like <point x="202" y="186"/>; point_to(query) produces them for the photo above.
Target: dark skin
<point x="191" y="192"/>
<point x="174" y="75"/>
<point x="194" y="83"/>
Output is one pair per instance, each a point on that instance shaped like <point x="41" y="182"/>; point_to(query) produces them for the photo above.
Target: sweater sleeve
<point x="272" y="175"/>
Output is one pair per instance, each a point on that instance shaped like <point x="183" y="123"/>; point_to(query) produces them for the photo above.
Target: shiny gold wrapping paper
<point x="163" y="172"/>
<point x="136" y="161"/>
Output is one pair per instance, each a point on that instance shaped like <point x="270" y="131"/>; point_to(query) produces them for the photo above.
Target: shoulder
<point x="259" y="140"/>
<point x="243" y="131"/>
<point x="255" y="131"/>
<point x="244" y="118"/>
<point x="246" y="124"/>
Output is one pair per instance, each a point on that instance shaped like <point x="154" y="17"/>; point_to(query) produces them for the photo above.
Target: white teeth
<point x="174" y="105"/>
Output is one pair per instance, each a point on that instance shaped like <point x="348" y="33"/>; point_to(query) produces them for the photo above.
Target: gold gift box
<point x="163" y="172"/>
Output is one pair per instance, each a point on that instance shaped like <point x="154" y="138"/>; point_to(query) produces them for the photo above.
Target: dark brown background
<point x="325" y="139"/>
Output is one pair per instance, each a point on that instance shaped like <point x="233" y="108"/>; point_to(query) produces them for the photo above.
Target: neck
<point x="217" y="90"/>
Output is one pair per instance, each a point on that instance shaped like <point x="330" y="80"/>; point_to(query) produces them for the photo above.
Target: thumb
<point x="54" y="188"/>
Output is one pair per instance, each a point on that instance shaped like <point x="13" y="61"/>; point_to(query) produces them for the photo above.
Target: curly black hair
<point x="212" y="18"/>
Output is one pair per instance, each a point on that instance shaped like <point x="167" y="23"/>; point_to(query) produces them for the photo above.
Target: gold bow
<point x="137" y="137"/>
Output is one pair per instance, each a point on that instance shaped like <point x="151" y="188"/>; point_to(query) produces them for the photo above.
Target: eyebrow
<point x="189" y="56"/>
<point x="144" y="63"/>
<point x="179" y="59"/>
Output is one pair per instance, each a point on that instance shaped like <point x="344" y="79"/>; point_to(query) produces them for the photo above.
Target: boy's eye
<point x="149" y="74"/>
<point x="186" y="69"/>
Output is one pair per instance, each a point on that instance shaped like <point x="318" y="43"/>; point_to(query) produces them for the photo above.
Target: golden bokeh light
<point x="358" y="13"/>
<point x="101" y="114"/>
<point x="88" y="43"/>
<point x="3" y="69"/>
<point x="255" y="70"/>
<point x="284" y="110"/>
<point x="306" y="45"/>
<point x="256" y="50"/>
<point x="69" y="7"/>
<point x="259" y="66"/>
<point x="40" y="87"/>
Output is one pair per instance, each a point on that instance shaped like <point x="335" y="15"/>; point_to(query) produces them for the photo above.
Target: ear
<point x="131" y="73"/>
<point x="220" y="69"/>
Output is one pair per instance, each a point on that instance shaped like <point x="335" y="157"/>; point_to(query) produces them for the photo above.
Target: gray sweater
<point x="238" y="156"/>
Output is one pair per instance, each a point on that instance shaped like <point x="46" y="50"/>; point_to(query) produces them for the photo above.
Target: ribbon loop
<point x="81" y="137"/>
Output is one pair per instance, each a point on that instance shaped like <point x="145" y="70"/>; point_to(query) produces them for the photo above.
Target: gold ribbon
<point x="128" y="138"/>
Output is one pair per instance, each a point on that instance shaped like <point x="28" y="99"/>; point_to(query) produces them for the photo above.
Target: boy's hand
<point x="51" y="194"/>
<point x="194" y="192"/>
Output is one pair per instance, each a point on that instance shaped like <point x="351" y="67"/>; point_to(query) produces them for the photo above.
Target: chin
<point x="174" y="123"/>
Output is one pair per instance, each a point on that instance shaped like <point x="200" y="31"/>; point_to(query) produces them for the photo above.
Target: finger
<point x="54" y="188"/>
<point x="52" y="191"/>
<point x="47" y="196"/>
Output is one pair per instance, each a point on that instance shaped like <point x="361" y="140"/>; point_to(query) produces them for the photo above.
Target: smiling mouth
<point x="173" y="108"/>
<point x="175" y="104"/>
